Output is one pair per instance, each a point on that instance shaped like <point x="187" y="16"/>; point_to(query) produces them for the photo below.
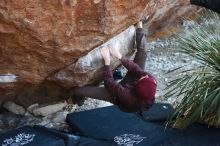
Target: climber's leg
<point x="141" y="54"/>
<point x="99" y="93"/>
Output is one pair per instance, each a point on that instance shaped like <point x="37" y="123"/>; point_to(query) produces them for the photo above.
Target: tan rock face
<point x="43" y="43"/>
<point x="165" y="16"/>
<point x="87" y="69"/>
<point x="40" y="37"/>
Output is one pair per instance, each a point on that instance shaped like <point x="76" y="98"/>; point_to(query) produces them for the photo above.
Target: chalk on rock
<point x="14" y="108"/>
<point x="48" y="110"/>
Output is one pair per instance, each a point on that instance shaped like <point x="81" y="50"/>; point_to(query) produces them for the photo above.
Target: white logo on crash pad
<point x="128" y="139"/>
<point x="19" y="140"/>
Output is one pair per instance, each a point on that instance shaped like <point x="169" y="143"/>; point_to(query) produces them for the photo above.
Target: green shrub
<point x="198" y="87"/>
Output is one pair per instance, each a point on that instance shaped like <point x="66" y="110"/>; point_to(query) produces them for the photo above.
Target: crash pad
<point x="159" y="112"/>
<point x="42" y="136"/>
<point x="127" y="129"/>
<point x="111" y="124"/>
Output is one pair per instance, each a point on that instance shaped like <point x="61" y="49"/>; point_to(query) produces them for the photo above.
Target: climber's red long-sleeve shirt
<point x="124" y="93"/>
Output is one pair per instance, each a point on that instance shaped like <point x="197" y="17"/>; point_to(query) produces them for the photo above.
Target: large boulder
<point x="40" y="38"/>
<point x="49" y="46"/>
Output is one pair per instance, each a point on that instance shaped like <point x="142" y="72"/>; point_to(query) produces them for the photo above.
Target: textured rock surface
<point x="40" y="37"/>
<point x="87" y="69"/>
<point x="164" y="17"/>
<point x="43" y="43"/>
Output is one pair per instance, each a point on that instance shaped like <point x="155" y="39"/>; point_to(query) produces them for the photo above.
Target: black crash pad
<point x="195" y="135"/>
<point x="74" y="140"/>
<point x="110" y="124"/>
<point x="159" y="112"/>
<point x="29" y="137"/>
<point x="41" y="136"/>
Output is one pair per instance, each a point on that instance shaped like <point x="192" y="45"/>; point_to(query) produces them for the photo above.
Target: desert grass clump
<point x="198" y="87"/>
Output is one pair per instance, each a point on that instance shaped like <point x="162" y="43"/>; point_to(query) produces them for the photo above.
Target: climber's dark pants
<point x="100" y="92"/>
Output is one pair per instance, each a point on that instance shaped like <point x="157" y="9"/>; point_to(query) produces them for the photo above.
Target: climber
<point x="136" y="92"/>
<point x="210" y="4"/>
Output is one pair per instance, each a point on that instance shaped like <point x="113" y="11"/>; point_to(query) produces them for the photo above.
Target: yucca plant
<point x="198" y="87"/>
